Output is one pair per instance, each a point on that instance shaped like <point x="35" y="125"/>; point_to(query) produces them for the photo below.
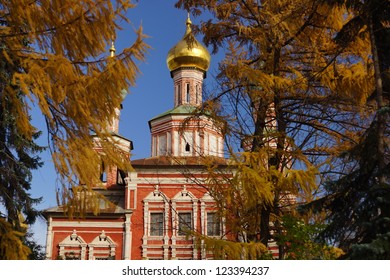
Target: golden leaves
<point x="284" y="54"/>
<point x="227" y="250"/>
<point x="58" y="49"/>
<point x="355" y="82"/>
<point x="11" y="245"/>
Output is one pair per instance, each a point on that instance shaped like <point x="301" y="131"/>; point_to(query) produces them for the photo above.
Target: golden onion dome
<point x="188" y="52"/>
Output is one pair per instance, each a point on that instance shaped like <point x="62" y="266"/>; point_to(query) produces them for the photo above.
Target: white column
<point x="204" y="227"/>
<point x="195" y="223"/>
<point x="176" y="149"/>
<point x="49" y="241"/>
<point x="175" y="225"/>
<point x="127" y="238"/>
<point x="90" y="252"/>
<point x="145" y="236"/>
<point x="166" y="228"/>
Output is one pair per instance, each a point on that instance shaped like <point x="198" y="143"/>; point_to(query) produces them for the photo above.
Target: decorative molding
<point x="127" y="238"/>
<point x="73" y="246"/>
<point x="102" y="241"/>
<point x="150" y="201"/>
<point x="94" y="224"/>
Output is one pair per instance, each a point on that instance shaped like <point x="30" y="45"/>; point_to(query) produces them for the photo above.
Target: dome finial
<point x="112" y="49"/>
<point x="188" y="24"/>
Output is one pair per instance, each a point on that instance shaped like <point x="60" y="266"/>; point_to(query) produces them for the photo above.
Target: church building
<point x="153" y="207"/>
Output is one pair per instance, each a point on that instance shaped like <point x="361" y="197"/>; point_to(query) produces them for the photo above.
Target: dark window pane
<point x="120" y="177"/>
<point x="213" y="225"/>
<point x="185" y="223"/>
<point x="156" y="224"/>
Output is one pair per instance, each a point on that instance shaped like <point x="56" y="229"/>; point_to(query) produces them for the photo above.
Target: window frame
<point x="216" y="224"/>
<point x="160" y="227"/>
<point x="162" y="145"/>
<point x="188" y="93"/>
<point x="182" y="224"/>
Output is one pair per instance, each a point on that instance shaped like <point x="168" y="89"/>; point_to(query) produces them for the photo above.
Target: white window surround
<point x="104" y="244"/>
<point x="151" y="201"/>
<point x="213" y="145"/>
<point x="207" y="205"/>
<point x="187" y="143"/>
<point x="73" y="246"/>
<point x="154" y="146"/>
<point x="183" y="202"/>
<point x="162" y="145"/>
<point x="169" y="143"/>
<point x="184" y="199"/>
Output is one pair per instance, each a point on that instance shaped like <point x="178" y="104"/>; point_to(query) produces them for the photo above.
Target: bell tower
<point x="175" y="133"/>
<point x="188" y="62"/>
<point x="110" y="176"/>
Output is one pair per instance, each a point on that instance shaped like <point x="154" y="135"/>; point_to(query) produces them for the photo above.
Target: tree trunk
<point x="381" y="118"/>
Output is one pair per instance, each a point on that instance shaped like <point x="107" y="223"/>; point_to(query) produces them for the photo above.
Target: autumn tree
<point x="11" y="243"/>
<point x="292" y="100"/>
<point x="358" y="203"/>
<point x="59" y="52"/>
<point x="17" y="160"/>
<point x="18" y="157"/>
<point x="301" y="241"/>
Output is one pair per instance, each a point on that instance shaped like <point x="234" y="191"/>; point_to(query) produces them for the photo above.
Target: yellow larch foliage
<point x="11" y="244"/>
<point x="60" y="52"/>
<point x="221" y="249"/>
<point x="282" y="54"/>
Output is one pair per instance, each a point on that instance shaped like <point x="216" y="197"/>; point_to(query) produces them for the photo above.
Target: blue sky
<point x="152" y="94"/>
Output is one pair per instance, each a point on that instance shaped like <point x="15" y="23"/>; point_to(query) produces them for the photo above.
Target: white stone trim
<point x="150" y="202"/>
<point x="190" y="206"/>
<point x="73" y="241"/>
<point x="49" y="239"/>
<point x="127" y="239"/>
<point x="206" y="201"/>
<point x="101" y="241"/>
<point x="95" y="224"/>
<point x="131" y="187"/>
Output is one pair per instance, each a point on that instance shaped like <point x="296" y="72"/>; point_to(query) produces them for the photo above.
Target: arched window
<point x="187" y="143"/>
<point x="188" y="96"/>
<point x="197" y="94"/>
<point x="179" y="94"/>
<point x="176" y="93"/>
<point x="162" y="145"/>
<point x="103" y="173"/>
<point x="121" y="177"/>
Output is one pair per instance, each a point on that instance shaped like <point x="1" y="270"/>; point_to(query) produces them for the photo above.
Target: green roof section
<point x="180" y="110"/>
